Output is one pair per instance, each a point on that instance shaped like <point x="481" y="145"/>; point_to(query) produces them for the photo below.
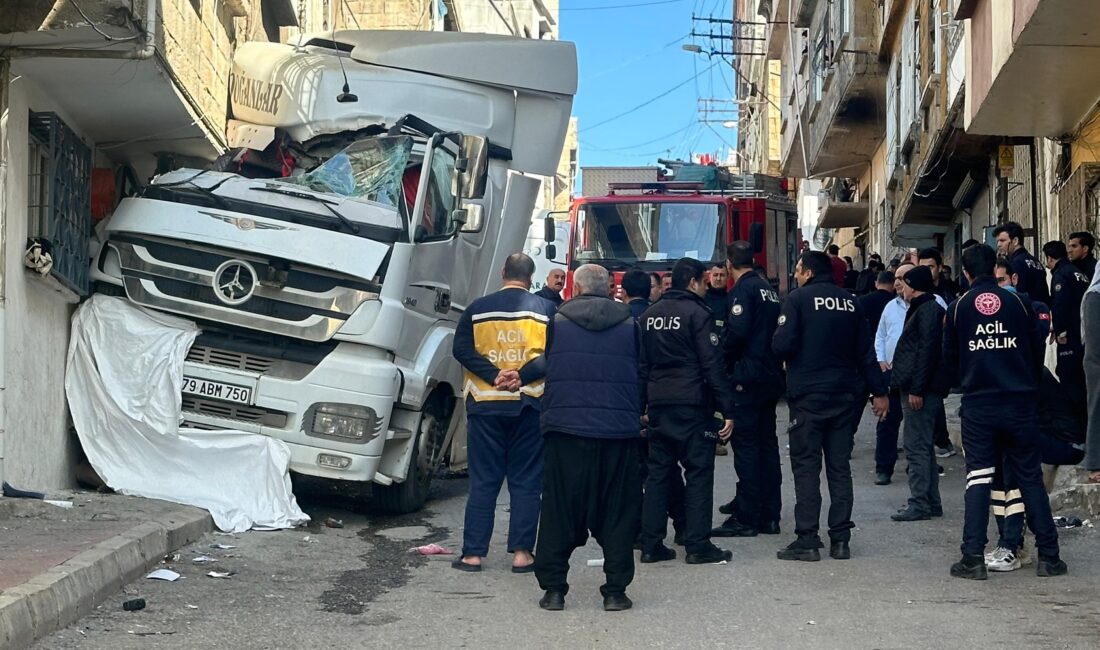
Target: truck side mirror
<point x="550" y="229"/>
<point x="756" y="237"/>
<point x="551" y="252"/>
<point x="472" y="166"/>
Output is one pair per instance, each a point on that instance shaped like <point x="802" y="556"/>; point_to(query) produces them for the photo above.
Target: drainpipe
<point x="5" y="75"/>
<point x="144" y="51"/>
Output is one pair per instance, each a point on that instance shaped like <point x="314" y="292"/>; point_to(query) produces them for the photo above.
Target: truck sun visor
<point x="367" y="169"/>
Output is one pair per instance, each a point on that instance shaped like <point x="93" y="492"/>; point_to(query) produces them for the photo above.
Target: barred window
<point x="58" y="198"/>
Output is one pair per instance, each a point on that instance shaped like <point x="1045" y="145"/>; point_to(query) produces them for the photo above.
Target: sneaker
<point x="1002" y="560"/>
<point x="799" y="554"/>
<point x="733" y="528"/>
<point x="882" y="478"/>
<point x="660" y="554"/>
<point x="946" y="452"/>
<point x="616" y="603"/>
<point x="939" y="468"/>
<point x="910" y="514"/>
<point x="726" y="508"/>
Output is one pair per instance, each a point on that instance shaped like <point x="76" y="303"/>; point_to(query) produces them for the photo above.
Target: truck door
<point x="434" y="232"/>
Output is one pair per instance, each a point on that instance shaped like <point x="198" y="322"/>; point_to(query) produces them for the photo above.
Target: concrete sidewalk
<point x="57" y="564"/>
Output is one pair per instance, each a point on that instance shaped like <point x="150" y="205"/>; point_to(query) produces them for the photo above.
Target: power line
<point x="636" y="59"/>
<point x="642" y="144"/>
<point x="627" y="6"/>
<point x="647" y="102"/>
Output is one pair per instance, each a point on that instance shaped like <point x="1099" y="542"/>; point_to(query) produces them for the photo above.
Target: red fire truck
<point x="649" y="226"/>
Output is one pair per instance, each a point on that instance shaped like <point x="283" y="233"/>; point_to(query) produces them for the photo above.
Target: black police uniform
<point x="757" y="379"/>
<point x="1068" y="286"/>
<point x="826" y="342"/>
<point x="682" y="374"/>
<point x="1032" y="275"/>
<point x="717" y="300"/>
<point x="992" y="346"/>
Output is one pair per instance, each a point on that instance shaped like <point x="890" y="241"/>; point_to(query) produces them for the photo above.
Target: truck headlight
<point x="347" y="422"/>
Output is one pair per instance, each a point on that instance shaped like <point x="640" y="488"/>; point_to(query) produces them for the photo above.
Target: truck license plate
<point x="217" y="390"/>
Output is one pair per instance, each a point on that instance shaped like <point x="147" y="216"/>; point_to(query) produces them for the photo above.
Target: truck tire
<point x="411" y="494"/>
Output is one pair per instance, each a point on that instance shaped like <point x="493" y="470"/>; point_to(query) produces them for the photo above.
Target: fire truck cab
<point x="649" y="226"/>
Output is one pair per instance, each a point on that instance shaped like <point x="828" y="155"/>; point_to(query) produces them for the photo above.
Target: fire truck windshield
<point x="628" y="233"/>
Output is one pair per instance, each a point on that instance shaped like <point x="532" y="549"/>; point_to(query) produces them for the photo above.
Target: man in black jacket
<point x="1068" y="286"/>
<point x="682" y="376"/>
<point x="757" y="384"/>
<point x="636" y="289"/>
<point x="1033" y="277"/>
<point x="923" y="383"/>
<point x="590" y="417"/>
<point x="1080" y="250"/>
<point x="989" y="344"/>
<point x="874" y="303"/>
<point x="826" y="342"/>
<point x="555" y="282"/>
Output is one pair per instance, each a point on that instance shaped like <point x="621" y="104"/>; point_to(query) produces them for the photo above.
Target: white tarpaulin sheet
<point x="123" y="381"/>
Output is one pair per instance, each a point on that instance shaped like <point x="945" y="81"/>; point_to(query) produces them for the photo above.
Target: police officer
<point x="757" y="385"/>
<point x="990" y="346"/>
<point x="1068" y="286"/>
<point x="682" y="375"/>
<point x="825" y="340"/>
<point x="1033" y="277"/>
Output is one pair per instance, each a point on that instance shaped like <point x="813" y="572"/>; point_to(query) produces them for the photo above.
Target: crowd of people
<point x="604" y="412"/>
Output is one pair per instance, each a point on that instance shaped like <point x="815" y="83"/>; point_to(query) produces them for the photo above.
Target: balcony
<point x="845" y="126"/>
<point x="802" y="12"/>
<point x="1052" y="44"/>
<point x="841" y="209"/>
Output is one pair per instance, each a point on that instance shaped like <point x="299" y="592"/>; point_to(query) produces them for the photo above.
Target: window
<point x="439" y="201"/>
<point x="632" y="233"/>
<point x="58" y="198"/>
<point x="1092" y="219"/>
<point x="819" y="68"/>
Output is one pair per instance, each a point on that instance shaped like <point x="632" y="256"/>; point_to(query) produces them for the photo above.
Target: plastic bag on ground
<point x="123" y="382"/>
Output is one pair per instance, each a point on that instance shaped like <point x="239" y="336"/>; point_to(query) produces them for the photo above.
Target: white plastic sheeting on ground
<point x="123" y="381"/>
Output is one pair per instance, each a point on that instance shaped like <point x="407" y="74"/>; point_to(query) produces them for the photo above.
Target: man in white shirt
<point x="886" y="341"/>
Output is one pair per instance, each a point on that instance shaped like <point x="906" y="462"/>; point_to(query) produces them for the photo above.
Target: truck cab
<point x="376" y="184"/>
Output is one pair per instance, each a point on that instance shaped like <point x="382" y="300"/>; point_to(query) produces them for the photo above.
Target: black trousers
<point x="678" y="436"/>
<point x="589" y="485"/>
<point x="1071" y="375"/>
<point x="1004" y="432"/>
<point x="675" y="490"/>
<point x="823" y="426"/>
<point x="756" y="460"/>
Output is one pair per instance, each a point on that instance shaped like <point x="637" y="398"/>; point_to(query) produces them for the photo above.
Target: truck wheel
<point x="410" y="495"/>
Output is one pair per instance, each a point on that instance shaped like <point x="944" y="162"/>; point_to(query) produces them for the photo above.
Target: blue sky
<point x="629" y="56"/>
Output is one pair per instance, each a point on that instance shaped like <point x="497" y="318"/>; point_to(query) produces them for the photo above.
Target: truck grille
<point x="179" y="277"/>
<point x="239" y="412"/>
<point x="229" y="359"/>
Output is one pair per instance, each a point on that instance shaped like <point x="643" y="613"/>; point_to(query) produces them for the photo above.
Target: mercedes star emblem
<point x="234" y="282"/>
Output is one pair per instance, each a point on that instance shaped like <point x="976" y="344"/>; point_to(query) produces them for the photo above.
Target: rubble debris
<point x="334" y="523"/>
<point x="16" y="493"/>
<point x="204" y="559"/>
<point x="223" y="547"/>
<point x="134" y="605"/>
<point x="163" y="574"/>
<point x="1068" y="522"/>
<point x="431" y="549"/>
<point x="58" y="503"/>
<point x="220" y="574"/>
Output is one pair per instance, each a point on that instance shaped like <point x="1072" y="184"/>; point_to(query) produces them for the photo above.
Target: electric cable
<point x="645" y="103"/>
<point x="626" y="6"/>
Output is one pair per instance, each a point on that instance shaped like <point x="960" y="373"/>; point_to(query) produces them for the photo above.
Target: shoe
<point x="910" y="514"/>
<point x="937" y="511"/>
<point x="552" y="601"/>
<point x="971" y="567"/>
<point x="616" y="603"/>
<point x="678" y="539"/>
<point x="946" y="452"/>
<point x="1024" y="555"/>
<point x="882" y="478"/>
<point x="527" y="568"/>
<point x="1002" y="560"/>
<point x="799" y="554"/>
<point x="712" y="555"/>
<point x="1048" y="567"/>
<point x="940" y="470"/>
<point x="720" y="450"/>
<point x="463" y="566"/>
<point x="733" y="528"/>
<point x="662" y="554"/>
<point x="769" y="528"/>
<point x="727" y="508"/>
<point x="840" y="551"/>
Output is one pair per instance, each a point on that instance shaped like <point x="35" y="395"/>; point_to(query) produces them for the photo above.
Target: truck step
<point x="398" y="434"/>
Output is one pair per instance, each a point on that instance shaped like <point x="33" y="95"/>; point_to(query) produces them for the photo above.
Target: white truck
<point x="378" y="181"/>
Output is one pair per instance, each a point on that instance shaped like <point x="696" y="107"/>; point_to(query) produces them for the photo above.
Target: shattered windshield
<point x="629" y="233"/>
<point x="369" y="169"/>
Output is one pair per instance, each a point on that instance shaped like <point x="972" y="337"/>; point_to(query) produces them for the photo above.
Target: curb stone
<point x="69" y="591"/>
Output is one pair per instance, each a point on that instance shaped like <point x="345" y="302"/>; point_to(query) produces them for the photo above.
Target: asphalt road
<point x="358" y="587"/>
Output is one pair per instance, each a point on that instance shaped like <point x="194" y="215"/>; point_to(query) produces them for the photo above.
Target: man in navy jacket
<point x="591" y="419"/>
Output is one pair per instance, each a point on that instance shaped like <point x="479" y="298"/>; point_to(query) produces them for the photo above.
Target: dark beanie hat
<point x="920" y="279"/>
